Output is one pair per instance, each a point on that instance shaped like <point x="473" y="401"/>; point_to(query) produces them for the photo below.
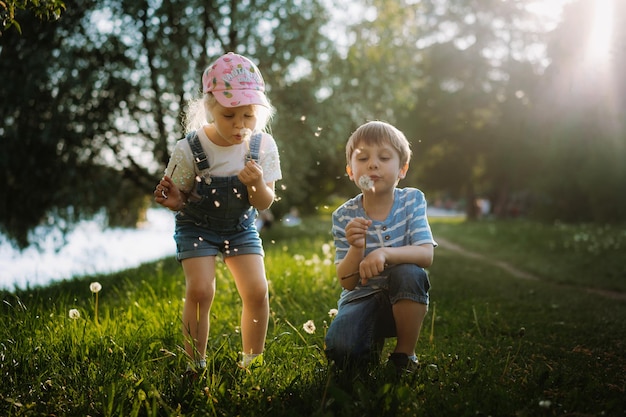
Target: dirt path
<point x="518" y="273"/>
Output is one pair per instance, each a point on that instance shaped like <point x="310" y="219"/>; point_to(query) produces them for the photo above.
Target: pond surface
<point x="90" y="249"/>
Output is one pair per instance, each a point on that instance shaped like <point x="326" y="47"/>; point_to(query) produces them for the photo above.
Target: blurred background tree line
<point x="500" y="104"/>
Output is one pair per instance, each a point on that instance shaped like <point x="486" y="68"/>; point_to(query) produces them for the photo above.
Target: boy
<point x="383" y="241"/>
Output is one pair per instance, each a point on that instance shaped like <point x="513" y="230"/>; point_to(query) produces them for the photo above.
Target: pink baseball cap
<point x="235" y="81"/>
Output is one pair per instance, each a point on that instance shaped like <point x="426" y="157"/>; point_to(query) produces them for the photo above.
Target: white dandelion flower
<point x="74" y="314"/>
<point x="309" y="327"/>
<point x="95" y="287"/>
<point x="332" y="312"/>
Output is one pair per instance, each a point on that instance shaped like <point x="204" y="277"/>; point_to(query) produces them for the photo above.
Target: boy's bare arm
<point x="350" y="270"/>
<point x="421" y="255"/>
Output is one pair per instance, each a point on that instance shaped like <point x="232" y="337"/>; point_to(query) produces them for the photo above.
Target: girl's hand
<point x="356" y="231"/>
<point x="251" y="175"/>
<point x="167" y="194"/>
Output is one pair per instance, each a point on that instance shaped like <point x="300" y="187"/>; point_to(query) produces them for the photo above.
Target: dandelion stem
<point x="350" y="275"/>
<point x="96" y="307"/>
<point x="476" y="321"/>
<point x="432" y="325"/>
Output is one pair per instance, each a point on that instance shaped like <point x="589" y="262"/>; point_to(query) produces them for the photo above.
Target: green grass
<point x="492" y="344"/>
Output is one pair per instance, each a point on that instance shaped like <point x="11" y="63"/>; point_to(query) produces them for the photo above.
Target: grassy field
<point x="492" y="344"/>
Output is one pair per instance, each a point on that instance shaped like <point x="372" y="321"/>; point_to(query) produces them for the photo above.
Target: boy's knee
<point x="407" y="273"/>
<point x="408" y="281"/>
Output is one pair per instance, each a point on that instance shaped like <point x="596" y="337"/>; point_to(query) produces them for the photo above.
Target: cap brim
<point x="237" y="98"/>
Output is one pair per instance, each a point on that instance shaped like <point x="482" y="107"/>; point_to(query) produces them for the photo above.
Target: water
<point x="93" y="250"/>
<point x="90" y="249"/>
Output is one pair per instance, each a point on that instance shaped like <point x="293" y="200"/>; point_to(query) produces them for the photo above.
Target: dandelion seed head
<point x="332" y="312"/>
<point x="309" y="327"/>
<point x="95" y="287"/>
<point x="365" y="183"/>
<point x="74" y="314"/>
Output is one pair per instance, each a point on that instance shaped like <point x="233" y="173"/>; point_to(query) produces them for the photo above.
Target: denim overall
<point x="219" y="204"/>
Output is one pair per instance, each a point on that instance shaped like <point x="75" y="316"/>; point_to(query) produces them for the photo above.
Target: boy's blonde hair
<point x="379" y="133"/>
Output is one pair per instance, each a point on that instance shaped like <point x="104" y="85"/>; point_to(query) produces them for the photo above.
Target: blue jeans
<point x="359" y="330"/>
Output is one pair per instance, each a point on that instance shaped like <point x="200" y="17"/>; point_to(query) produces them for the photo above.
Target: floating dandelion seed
<point x="217" y="203"/>
<point x="74" y="314"/>
<point x="309" y="327"/>
<point x="332" y="312"/>
<point x="366" y="183"/>
<point x="303" y="118"/>
<point x="245" y="136"/>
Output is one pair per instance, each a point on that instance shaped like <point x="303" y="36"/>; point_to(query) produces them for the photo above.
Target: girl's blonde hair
<point x="379" y="133"/>
<point x="199" y="114"/>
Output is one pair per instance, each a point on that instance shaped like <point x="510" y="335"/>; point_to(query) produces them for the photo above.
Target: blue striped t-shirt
<point x="406" y="224"/>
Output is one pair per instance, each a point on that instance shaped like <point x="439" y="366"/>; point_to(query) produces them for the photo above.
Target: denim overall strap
<point x="255" y="147"/>
<point x="198" y="152"/>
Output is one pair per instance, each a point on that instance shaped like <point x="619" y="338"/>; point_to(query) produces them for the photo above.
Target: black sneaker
<point x="403" y="363"/>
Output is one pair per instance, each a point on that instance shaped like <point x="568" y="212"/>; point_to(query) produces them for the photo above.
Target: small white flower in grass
<point x="545" y="403"/>
<point x="332" y="312"/>
<point x="309" y="327"/>
<point x="366" y="183"/>
<point x="74" y="314"/>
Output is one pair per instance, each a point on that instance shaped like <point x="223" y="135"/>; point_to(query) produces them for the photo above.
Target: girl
<point x="216" y="180"/>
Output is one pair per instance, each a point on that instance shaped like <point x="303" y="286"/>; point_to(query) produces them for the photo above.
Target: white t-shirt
<point x="224" y="161"/>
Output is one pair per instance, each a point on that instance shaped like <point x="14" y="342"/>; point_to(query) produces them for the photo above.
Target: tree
<point x="43" y="10"/>
<point x="91" y="103"/>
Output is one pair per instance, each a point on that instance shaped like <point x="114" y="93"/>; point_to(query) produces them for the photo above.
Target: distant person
<point x="292" y="218"/>
<point x="265" y="219"/>
<point x="216" y="180"/>
<point x="383" y="241"/>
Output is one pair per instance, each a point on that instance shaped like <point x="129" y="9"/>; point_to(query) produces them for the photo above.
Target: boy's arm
<point x="376" y="261"/>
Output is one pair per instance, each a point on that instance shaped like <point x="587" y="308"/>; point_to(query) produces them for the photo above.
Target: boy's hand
<point x="356" y="231"/>
<point x="372" y="265"/>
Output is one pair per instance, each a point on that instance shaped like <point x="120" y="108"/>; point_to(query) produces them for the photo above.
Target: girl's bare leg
<point x="249" y="274"/>
<point x="199" y="294"/>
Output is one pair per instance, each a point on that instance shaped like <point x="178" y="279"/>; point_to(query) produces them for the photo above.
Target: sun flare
<point x="599" y="42"/>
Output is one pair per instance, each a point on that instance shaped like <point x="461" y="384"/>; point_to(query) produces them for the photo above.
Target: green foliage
<point x="42" y="9"/>
<point x="491" y="344"/>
